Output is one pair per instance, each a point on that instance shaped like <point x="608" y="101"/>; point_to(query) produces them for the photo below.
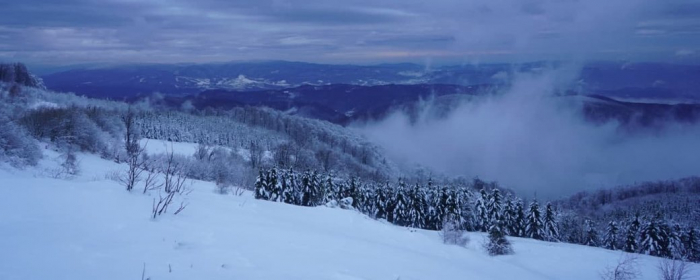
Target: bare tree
<point x="173" y="185"/>
<point x="133" y="152"/>
<point x="626" y="269"/>
<point x="674" y="269"/>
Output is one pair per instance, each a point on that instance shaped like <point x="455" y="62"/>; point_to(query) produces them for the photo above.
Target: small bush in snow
<point x="626" y="269"/>
<point x="452" y="234"/>
<point x="674" y="269"/>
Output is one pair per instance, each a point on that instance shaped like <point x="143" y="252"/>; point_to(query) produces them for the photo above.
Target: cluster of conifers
<point x="478" y="206"/>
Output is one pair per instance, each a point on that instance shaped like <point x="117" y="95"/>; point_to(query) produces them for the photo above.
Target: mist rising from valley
<point x="528" y="139"/>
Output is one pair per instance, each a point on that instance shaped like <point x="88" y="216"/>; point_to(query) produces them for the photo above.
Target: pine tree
<point x="306" y="189"/>
<point x="287" y="190"/>
<point x="498" y="244"/>
<point x="535" y="227"/>
<point x="260" y="188"/>
<point x="509" y="217"/>
<point x="274" y="186"/>
<point x="380" y="207"/>
<point x="417" y="207"/>
<point x="400" y="207"/>
<point x="591" y="238"/>
<point x="691" y="249"/>
<point x="610" y="239"/>
<point x="481" y="212"/>
<point x="493" y="207"/>
<point x="316" y="193"/>
<point x="551" y="229"/>
<point x="652" y="242"/>
<point x="631" y="244"/>
<point x="519" y="224"/>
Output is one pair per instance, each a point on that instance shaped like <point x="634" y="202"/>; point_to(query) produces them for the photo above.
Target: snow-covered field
<point x="89" y="227"/>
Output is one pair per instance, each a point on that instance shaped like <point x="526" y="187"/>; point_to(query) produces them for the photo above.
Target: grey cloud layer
<point x="74" y="31"/>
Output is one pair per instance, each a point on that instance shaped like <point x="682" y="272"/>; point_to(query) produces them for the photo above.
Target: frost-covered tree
<point x="551" y="228"/>
<point x="498" y="244"/>
<point x="691" y="248"/>
<point x="654" y="239"/>
<point x="610" y="239"/>
<point x="494" y="207"/>
<point x="509" y="218"/>
<point x="261" y="187"/>
<point x="591" y="236"/>
<point x="631" y="243"/>
<point x="534" y="225"/>
<point x="482" y="216"/>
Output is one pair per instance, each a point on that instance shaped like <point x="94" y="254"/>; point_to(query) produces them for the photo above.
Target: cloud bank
<point x="348" y="31"/>
<point x="537" y="143"/>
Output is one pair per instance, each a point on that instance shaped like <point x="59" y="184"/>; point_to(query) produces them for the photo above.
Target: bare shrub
<point x="452" y="233"/>
<point x="625" y="269"/>
<point x="674" y="269"/>
<point x="174" y="180"/>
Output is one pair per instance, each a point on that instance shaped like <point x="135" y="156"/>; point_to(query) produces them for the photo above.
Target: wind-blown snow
<point x="91" y="228"/>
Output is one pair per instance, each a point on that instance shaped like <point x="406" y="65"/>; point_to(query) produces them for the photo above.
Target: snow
<point x="89" y="227"/>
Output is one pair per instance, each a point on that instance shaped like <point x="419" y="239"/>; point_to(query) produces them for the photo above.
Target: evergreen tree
<point x="534" y="228"/>
<point x="287" y="190"/>
<point x="401" y="210"/>
<point x="417" y="207"/>
<point x="493" y="207"/>
<point x="380" y="208"/>
<point x="691" y="250"/>
<point x="654" y="239"/>
<point x="519" y="224"/>
<point x="306" y="189"/>
<point x="509" y="218"/>
<point x="631" y="244"/>
<point x="274" y="185"/>
<point x="551" y="229"/>
<point x="260" y="188"/>
<point x="591" y="238"/>
<point x="610" y="239"/>
<point x="316" y="193"/>
<point x="498" y="244"/>
<point x="481" y="212"/>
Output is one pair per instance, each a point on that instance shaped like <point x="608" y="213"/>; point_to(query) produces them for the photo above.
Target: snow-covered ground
<point x="89" y="227"/>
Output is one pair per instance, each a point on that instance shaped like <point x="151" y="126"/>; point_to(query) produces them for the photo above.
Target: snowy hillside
<point x="88" y="227"/>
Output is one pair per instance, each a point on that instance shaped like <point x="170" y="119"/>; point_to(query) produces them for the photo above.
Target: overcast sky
<point x="349" y="31"/>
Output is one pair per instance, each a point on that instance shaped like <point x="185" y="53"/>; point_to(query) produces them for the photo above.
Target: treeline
<point x="477" y="206"/>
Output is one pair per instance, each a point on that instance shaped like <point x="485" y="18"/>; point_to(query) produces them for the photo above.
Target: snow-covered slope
<point x="89" y="227"/>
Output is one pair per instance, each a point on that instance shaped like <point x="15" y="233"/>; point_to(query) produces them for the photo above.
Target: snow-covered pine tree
<point x="610" y="239"/>
<point x="380" y="203"/>
<point x="493" y="207"/>
<point x="330" y="189"/>
<point x="417" y="207"/>
<point x="519" y="224"/>
<point x="498" y="244"/>
<point x="591" y="238"/>
<point x="481" y="212"/>
<point x="534" y="225"/>
<point x="631" y="243"/>
<point x="452" y="208"/>
<point x="287" y="194"/>
<point x="653" y="239"/>
<point x="260" y="188"/>
<point x="691" y="249"/>
<point x="551" y="228"/>
<point x="306" y="189"/>
<point x="401" y="207"/>
<point x="509" y="216"/>
<point x="316" y="190"/>
<point x="276" y="185"/>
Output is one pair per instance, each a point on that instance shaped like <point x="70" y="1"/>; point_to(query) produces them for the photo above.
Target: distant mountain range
<point x="633" y="81"/>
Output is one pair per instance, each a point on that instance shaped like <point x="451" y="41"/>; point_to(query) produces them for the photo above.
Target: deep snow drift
<point x="89" y="227"/>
